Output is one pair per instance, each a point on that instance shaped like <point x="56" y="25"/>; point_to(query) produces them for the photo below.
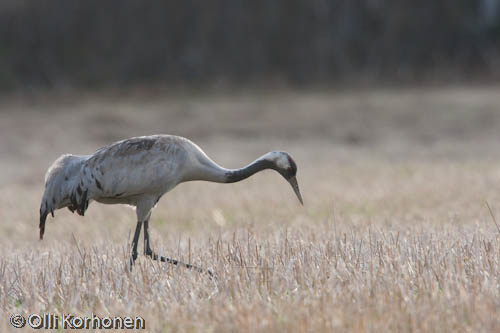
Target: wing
<point x="152" y="164"/>
<point x="120" y="173"/>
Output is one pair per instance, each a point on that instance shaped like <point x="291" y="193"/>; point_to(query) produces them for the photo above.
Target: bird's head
<point x="283" y="163"/>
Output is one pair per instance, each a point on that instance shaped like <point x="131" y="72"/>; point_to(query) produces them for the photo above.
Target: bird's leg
<point x="147" y="246"/>
<point x="134" y="242"/>
<point x="148" y="252"/>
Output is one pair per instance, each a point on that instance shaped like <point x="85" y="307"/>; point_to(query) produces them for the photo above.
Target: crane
<point x="138" y="172"/>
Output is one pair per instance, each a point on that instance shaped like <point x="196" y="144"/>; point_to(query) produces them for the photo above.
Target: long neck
<point x="212" y="172"/>
<point x="235" y="175"/>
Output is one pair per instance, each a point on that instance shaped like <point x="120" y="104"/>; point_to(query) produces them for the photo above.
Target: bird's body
<point x="132" y="171"/>
<point x="138" y="171"/>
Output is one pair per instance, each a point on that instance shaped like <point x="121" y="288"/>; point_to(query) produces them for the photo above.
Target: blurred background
<point x="121" y="43"/>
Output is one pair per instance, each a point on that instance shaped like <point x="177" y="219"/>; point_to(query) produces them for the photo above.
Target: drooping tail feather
<point x="43" y="218"/>
<point x="60" y="182"/>
<point x="79" y="202"/>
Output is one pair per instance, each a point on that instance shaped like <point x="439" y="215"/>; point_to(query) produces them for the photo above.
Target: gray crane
<point x="138" y="172"/>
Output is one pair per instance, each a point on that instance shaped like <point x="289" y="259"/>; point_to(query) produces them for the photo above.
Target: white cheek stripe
<point x="280" y="159"/>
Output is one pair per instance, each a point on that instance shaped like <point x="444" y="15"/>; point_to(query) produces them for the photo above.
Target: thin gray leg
<point x="134" y="243"/>
<point x="147" y="245"/>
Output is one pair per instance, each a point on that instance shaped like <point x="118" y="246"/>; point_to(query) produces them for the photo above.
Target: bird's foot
<point x="154" y="256"/>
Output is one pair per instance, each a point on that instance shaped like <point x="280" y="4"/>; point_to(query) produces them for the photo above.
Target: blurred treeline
<point x="95" y="43"/>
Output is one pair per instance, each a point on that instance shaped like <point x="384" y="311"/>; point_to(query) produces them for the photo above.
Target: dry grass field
<point x="395" y="234"/>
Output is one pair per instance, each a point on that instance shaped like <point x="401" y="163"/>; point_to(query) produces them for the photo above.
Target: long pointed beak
<point x="295" y="186"/>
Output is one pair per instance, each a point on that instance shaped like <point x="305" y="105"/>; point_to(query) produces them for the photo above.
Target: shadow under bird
<point x="138" y="172"/>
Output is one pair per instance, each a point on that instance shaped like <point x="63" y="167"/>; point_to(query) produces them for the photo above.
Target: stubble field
<point x="395" y="233"/>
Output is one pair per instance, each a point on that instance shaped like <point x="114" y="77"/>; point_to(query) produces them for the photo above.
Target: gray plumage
<point x="138" y="171"/>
